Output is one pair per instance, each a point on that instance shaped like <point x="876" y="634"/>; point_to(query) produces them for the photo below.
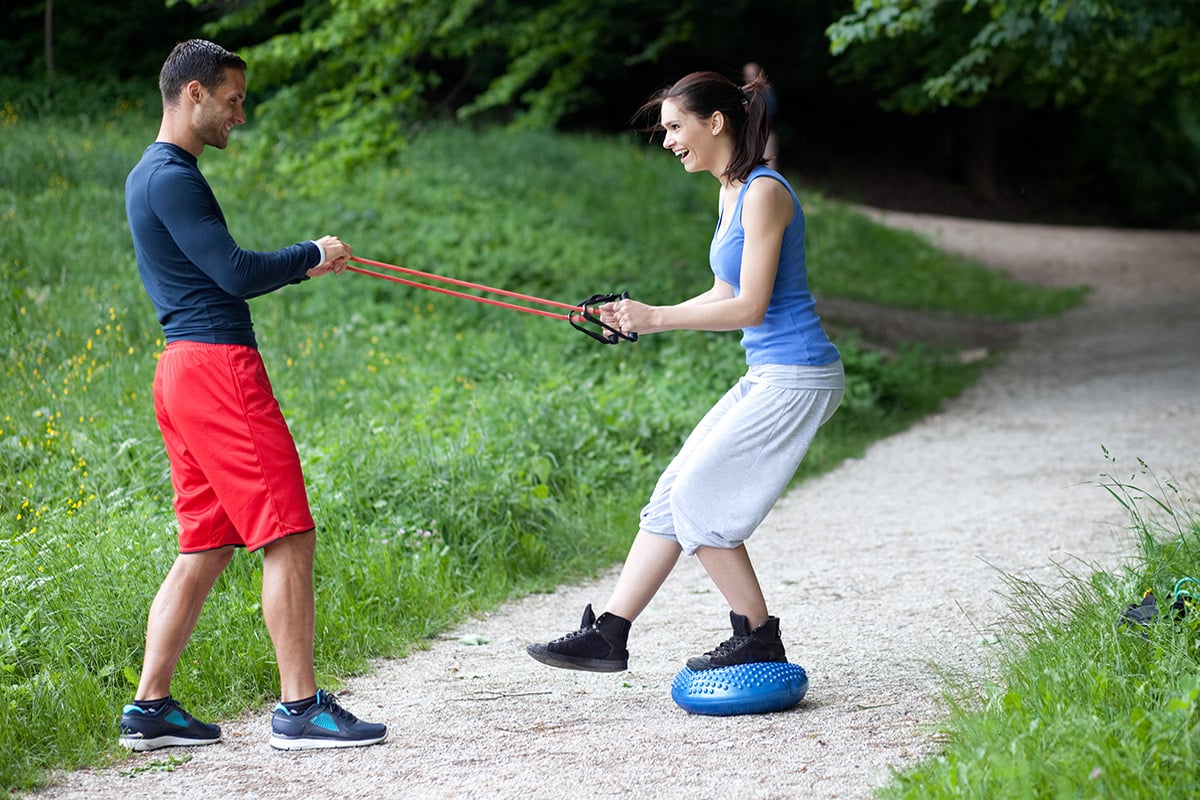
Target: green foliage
<point x="345" y="85"/>
<point x="1128" y="68"/>
<point x="904" y="268"/>
<point x="89" y="42"/>
<point x="361" y="76"/>
<point x="1084" y="706"/>
<point x="1152" y="150"/>
<point x="1040" y="52"/>
<point x="455" y="454"/>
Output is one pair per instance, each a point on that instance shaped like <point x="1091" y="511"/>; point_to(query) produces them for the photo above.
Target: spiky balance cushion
<point x="756" y="688"/>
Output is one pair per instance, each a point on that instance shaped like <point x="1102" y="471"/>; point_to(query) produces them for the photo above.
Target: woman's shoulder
<point x="763" y="171"/>
<point x="774" y="190"/>
<point x="769" y="202"/>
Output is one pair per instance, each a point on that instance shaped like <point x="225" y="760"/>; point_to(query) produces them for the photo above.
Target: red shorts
<point x="234" y="465"/>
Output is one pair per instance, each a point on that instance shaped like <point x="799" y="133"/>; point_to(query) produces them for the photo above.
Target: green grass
<point x="1080" y="706"/>
<point x="909" y="274"/>
<point x="456" y="454"/>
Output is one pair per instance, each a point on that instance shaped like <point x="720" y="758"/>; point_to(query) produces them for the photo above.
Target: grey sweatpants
<point x="741" y="456"/>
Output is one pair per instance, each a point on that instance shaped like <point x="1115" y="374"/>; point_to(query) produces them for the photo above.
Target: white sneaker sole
<point x="285" y="743"/>
<point x="139" y="744"/>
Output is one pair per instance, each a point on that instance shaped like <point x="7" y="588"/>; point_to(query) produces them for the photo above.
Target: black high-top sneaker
<point x="598" y="645"/>
<point x="745" y="646"/>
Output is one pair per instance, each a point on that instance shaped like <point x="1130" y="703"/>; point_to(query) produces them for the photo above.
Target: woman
<point x="744" y="452"/>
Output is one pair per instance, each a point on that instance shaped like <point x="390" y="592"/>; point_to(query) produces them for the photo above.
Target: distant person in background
<point x="752" y="72"/>
<point x="742" y="455"/>
<point x="234" y="465"/>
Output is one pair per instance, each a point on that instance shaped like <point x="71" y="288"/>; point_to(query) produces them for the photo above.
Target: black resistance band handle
<point x="585" y="311"/>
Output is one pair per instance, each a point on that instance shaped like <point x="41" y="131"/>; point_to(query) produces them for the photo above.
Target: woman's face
<point x="689" y="137"/>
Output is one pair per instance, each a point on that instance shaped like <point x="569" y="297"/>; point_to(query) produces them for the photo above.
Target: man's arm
<point x="186" y="206"/>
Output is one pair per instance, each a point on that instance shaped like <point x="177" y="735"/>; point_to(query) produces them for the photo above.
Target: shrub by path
<point x="884" y="572"/>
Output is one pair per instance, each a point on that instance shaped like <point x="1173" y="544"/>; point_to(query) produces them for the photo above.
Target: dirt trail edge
<point x="885" y="573"/>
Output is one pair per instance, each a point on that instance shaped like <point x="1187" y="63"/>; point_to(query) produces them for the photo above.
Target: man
<point x="234" y="465"/>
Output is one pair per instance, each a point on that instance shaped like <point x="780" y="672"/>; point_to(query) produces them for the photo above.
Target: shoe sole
<point x="285" y="743"/>
<point x="552" y="659"/>
<point x="139" y="744"/>
<point x="700" y="663"/>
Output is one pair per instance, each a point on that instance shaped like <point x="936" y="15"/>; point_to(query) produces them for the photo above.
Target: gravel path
<point x="885" y="573"/>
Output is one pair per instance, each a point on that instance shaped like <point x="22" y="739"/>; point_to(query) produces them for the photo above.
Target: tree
<point x="48" y="35"/>
<point x="1037" y="52"/>
<point x="83" y="54"/>
<point x="1129" y="66"/>
<point x="350" y="80"/>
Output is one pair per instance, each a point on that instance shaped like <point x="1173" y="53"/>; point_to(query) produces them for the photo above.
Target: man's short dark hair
<point x="196" y="60"/>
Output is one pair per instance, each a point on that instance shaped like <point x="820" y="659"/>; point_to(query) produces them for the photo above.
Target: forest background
<point x="1054" y="110"/>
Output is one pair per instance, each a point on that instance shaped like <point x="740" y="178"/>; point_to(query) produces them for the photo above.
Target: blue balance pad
<point x="743" y="689"/>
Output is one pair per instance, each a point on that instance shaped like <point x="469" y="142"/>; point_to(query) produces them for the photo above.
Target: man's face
<point x="221" y="109"/>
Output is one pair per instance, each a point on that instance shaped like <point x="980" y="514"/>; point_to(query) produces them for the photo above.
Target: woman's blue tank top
<point x="791" y="332"/>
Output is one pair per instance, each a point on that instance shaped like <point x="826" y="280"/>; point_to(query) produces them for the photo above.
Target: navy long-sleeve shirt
<point x="196" y="275"/>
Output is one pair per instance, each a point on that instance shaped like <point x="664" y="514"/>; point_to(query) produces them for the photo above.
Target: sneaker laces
<point x="329" y="702"/>
<point x="730" y="645"/>
<point x="574" y="634"/>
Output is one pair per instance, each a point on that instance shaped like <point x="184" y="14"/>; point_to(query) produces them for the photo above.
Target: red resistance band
<point x="586" y="310"/>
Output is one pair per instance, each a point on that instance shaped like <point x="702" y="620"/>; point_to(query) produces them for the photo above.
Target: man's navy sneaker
<point x="324" y="724"/>
<point x="168" y="725"/>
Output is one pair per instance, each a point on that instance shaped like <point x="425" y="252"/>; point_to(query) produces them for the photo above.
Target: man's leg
<point x="173" y="616"/>
<point x="288" y="610"/>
